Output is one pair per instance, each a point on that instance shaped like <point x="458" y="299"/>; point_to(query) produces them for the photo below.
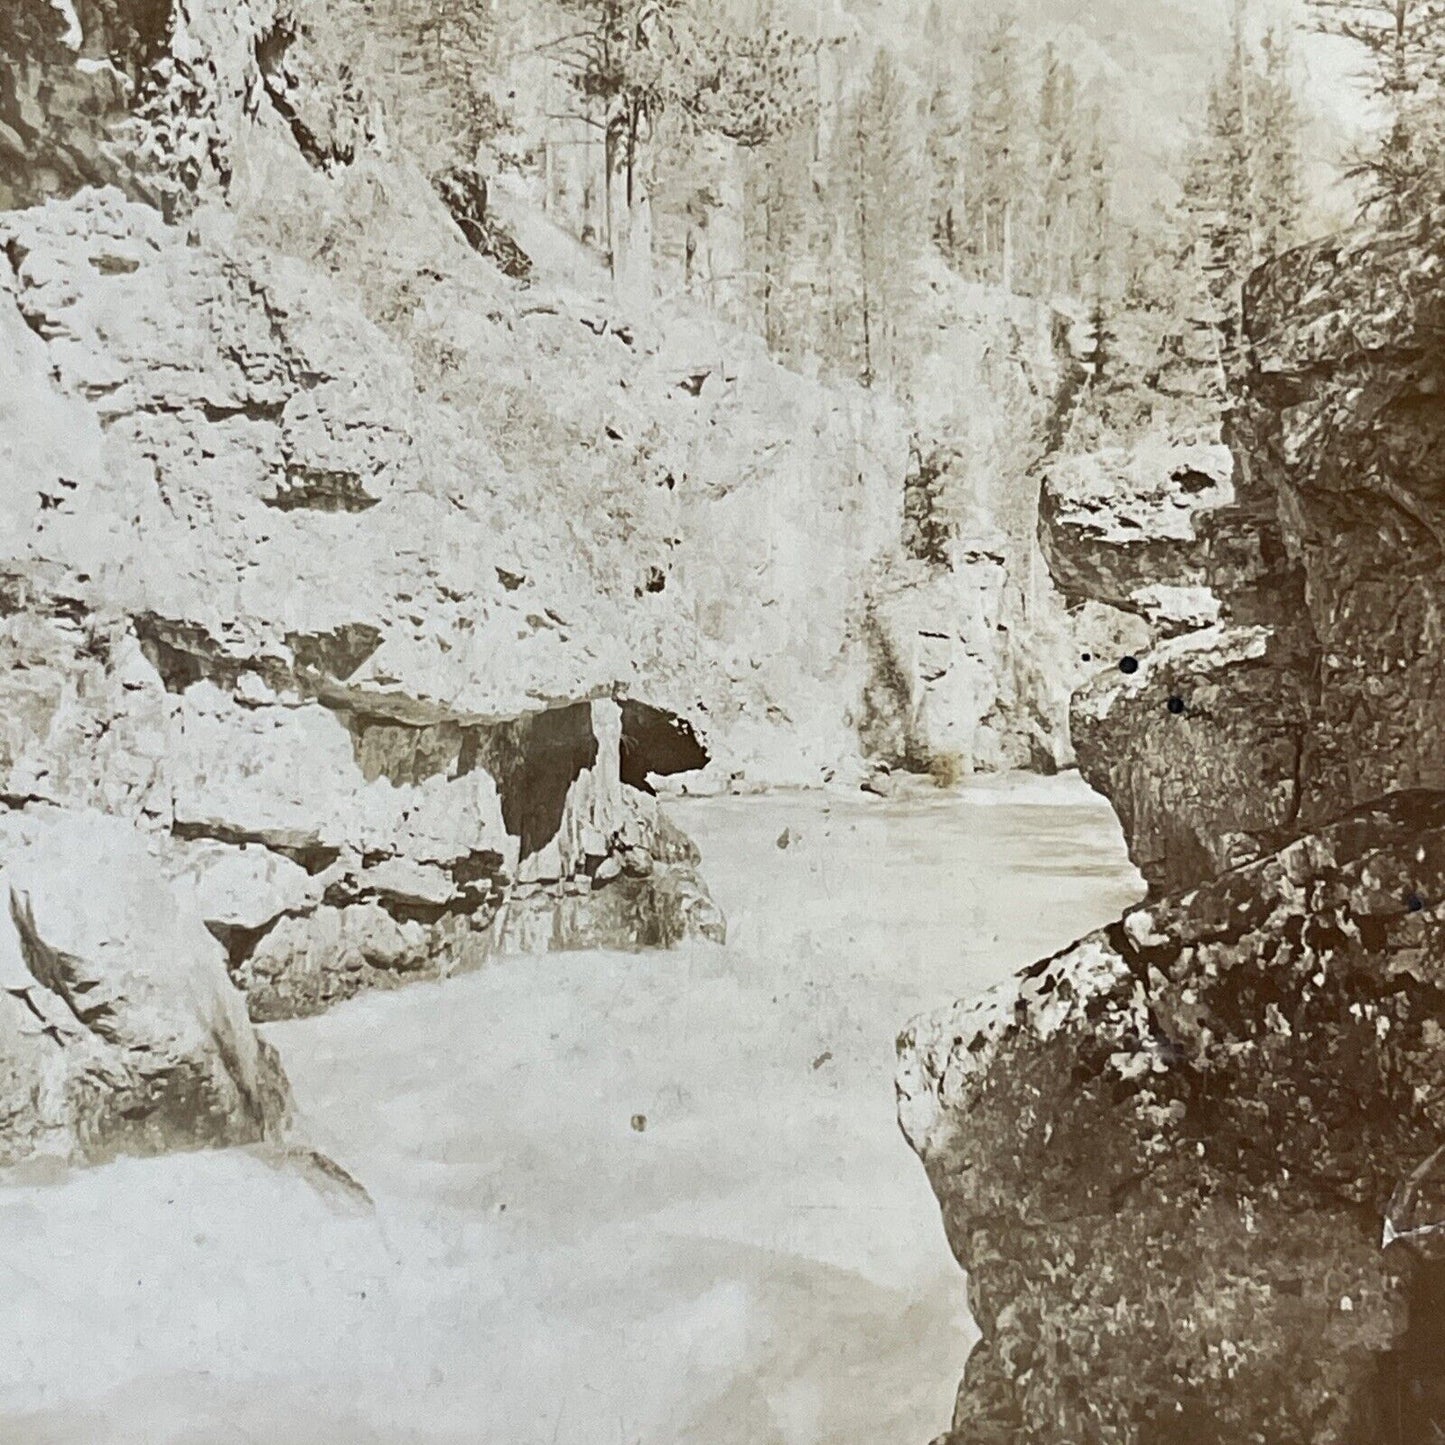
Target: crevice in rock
<point x="252" y="410"/>
<point x="315" y="857"/>
<point x="418" y="910"/>
<point x="240" y="942"/>
<point x="184" y="653"/>
<point x="535" y="760"/>
<point x="463" y="191"/>
<point x="334" y="655"/>
<point x="271" y="50"/>
<point x="317" y="489"/>
<point x="407" y="754"/>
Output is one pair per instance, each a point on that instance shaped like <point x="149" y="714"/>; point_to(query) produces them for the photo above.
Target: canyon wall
<point x="374" y="566"/>
<point x="1189" y="1163"/>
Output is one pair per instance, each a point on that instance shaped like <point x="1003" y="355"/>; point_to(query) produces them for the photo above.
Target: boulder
<point x="120" y="1031"/>
<point x="1166" y="1156"/>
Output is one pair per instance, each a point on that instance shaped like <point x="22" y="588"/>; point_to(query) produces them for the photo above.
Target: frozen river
<point x="653" y="1199"/>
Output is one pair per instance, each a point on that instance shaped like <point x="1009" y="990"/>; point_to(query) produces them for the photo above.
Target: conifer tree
<point x="1280" y="184"/>
<point x="1402" y="46"/>
<point x="946" y="146"/>
<point x="1057" y="172"/>
<point x="780" y="204"/>
<point x="1099" y="254"/>
<point x="997" y="153"/>
<point x="882" y="211"/>
<point x="435" y="55"/>
<point x="631" y="63"/>
<point x="1242" y="190"/>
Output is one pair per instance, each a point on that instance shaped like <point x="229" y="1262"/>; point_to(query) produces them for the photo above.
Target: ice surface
<point x="761" y="1263"/>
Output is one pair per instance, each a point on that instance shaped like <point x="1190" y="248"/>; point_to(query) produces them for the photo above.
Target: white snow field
<point x="620" y="1199"/>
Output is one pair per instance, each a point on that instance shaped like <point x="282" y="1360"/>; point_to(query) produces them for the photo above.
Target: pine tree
<point x="1403" y="49"/>
<point x="1099" y="253"/>
<point x="882" y="219"/>
<point x="435" y="54"/>
<point x="1401" y="38"/>
<point x="632" y="63"/>
<point x="779" y="214"/>
<point x="748" y="86"/>
<point x="946" y="146"/>
<point x="1242" y="189"/>
<point x="1279" y="184"/>
<point x="997" y="154"/>
<point x="1057" y="176"/>
<point x="615" y="58"/>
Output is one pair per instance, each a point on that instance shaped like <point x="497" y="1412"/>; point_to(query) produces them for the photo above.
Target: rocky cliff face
<point x="973" y="659"/>
<point x="280" y="624"/>
<point x="1191" y="719"/>
<point x="362" y="750"/>
<point x="1171" y="1157"/>
<point x="1315" y="569"/>
<point x="372" y="564"/>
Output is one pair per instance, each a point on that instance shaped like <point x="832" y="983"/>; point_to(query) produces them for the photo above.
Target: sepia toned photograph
<point x="722" y="722"/>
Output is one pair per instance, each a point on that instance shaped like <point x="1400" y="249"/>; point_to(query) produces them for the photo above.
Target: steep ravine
<point x="1172" y="1156"/>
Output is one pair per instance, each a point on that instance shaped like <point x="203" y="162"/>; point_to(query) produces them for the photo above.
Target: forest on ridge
<point x="819" y="178"/>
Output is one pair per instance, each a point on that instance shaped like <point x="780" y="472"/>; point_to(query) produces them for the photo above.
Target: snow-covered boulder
<point x="120" y="1031"/>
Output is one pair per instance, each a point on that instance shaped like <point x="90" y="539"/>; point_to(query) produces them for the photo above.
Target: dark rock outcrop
<point x="1347" y="431"/>
<point x="1165" y="1154"/>
<point x="1198" y="749"/>
<point x="67" y="80"/>
<point x="1330" y="555"/>
<point x="1170" y="1157"/>
<point x="463" y="191"/>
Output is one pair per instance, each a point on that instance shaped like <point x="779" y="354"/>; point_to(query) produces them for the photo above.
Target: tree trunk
<point x="865" y="296"/>
<point x="1008" y="246"/>
<point x="632" y="271"/>
<point x="608" y="165"/>
<point x="768" y="269"/>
